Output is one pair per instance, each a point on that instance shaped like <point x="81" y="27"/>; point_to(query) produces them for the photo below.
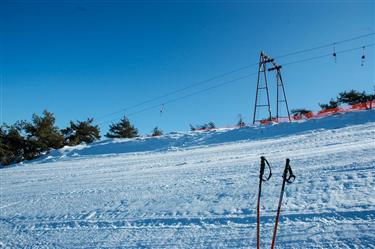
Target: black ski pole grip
<point x="288" y="173"/>
<point x="263" y="162"/>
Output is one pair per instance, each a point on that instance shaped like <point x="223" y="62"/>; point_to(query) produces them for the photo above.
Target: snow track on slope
<point x="198" y="197"/>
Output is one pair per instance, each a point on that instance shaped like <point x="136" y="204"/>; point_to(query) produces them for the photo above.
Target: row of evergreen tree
<point x="348" y="97"/>
<point x="351" y="97"/>
<point x="28" y="140"/>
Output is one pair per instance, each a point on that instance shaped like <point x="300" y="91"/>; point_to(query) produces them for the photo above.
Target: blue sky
<point x="92" y="58"/>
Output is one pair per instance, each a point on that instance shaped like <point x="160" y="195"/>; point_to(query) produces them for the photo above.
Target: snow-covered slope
<point x="198" y="190"/>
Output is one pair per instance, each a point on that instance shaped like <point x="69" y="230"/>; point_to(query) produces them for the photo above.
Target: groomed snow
<point x="198" y="190"/>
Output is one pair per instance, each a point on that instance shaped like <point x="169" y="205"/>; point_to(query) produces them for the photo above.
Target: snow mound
<point x="176" y="141"/>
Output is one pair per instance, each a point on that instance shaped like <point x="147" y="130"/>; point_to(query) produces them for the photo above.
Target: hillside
<point x="198" y="190"/>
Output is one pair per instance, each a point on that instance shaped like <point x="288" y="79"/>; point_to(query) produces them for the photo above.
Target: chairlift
<point x="363" y="57"/>
<point x="334" y="52"/>
<point x="161" y="109"/>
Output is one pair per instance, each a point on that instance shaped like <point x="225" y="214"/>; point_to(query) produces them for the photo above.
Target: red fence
<point x="324" y="113"/>
<point x="311" y="115"/>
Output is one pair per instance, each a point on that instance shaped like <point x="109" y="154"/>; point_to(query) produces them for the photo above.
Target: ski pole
<point x="288" y="177"/>
<point x="263" y="162"/>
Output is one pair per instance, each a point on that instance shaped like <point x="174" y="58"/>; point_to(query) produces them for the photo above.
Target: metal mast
<point x="263" y="60"/>
<point x="280" y="88"/>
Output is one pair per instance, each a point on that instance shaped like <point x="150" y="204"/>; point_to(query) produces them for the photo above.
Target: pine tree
<point x="202" y="127"/>
<point x="207" y="126"/>
<point x="122" y="129"/>
<point x="352" y="97"/>
<point x="211" y="125"/>
<point x="42" y="134"/>
<point x="157" y="132"/>
<point x="3" y="146"/>
<point x="81" y="132"/>
<point x="300" y="112"/>
<point x="240" y="122"/>
<point x="11" y="144"/>
<point x="332" y="104"/>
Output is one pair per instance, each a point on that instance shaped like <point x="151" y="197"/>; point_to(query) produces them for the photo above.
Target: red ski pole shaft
<point x="258" y="214"/>
<point x="263" y="162"/>
<point x="278" y="215"/>
<point x="288" y="177"/>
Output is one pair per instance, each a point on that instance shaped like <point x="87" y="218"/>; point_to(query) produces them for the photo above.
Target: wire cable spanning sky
<point x="221" y="84"/>
<point x="126" y="109"/>
<point x="93" y="58"/>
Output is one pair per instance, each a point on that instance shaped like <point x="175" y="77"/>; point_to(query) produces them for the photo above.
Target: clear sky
<point x="81" y="59"/>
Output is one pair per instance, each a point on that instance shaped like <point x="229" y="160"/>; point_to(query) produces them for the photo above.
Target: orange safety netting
<point x="323" y="113"/>
<point x="310" y="115"/>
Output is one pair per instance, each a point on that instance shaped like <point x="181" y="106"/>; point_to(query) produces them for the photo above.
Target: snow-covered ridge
<point x="175" y="141"/>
